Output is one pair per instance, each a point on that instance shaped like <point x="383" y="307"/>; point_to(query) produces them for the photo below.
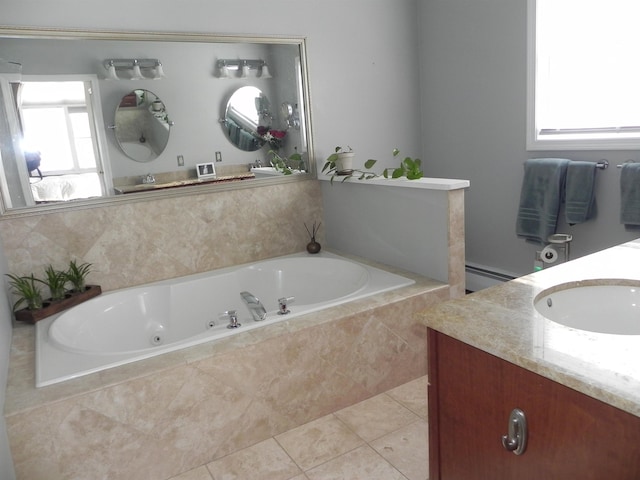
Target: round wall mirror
<point x="246" y="107"/>
<point x="142" y="125"/>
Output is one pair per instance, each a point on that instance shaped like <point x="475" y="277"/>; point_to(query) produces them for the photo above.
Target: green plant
<point x="409" y="167"/>
<point x="28" y="291"/>
<point x="286" y="165"/>
<point x="337" y="151"/>
<point x="331" y="166"/>
<point x="56" y="280"/>
<point x="77" y="275"/>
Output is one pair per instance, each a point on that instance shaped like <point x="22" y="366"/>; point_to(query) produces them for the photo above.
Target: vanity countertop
<point x="140" y="187"/>
<point x="502" y="321"/>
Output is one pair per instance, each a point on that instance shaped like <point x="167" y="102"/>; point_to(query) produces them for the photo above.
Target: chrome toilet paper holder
<point x="557" y="250"/>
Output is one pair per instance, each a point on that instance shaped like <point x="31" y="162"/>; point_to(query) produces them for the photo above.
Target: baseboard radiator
<point x="480" y="277"/>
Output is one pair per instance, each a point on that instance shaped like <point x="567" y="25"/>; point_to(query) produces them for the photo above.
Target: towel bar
<point x="602" y="164"/>
<point x="628" y="161"/>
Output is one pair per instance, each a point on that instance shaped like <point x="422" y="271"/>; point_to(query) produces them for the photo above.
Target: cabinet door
<point x="570" y="435"/>
<point x="466" y="413"/>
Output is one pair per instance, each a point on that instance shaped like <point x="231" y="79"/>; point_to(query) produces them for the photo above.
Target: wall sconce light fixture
<point x="133" y="69"/>
<point x="231" y="68"/>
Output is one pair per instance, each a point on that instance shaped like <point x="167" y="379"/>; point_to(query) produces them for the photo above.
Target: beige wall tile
<point x="136" y="243"/>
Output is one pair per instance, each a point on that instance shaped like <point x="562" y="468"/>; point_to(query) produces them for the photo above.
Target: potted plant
<point x="409" y="167"/>
<point x="56" y="280"/>
<point x="77" y="275"/>
<point x="27" y="290"/>
<point x="286" y="165"/>
<point x="341" y="160"/>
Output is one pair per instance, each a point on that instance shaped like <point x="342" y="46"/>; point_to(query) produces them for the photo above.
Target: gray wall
<point x="362" y="64"/>
<point x="473" y="85"/>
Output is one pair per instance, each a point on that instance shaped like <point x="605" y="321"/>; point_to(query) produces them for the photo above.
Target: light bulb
<point x="136" y="74"/>
<point x="245" y="70"/>
<point x="224" y="71"/>
<point x="111" y="72"/>
<point x="159" y="72"/>
<point x="265" y="71"/>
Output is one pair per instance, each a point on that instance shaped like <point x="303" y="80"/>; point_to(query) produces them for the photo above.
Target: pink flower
<point x="278" y="133"/>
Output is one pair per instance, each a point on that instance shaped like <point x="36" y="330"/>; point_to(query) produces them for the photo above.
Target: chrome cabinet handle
<point x="516" y="439"/>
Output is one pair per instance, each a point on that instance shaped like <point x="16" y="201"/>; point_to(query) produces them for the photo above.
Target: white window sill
<point x="425" y="183"/>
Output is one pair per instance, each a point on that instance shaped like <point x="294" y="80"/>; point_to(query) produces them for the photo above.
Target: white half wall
<point x="395" y="223"/>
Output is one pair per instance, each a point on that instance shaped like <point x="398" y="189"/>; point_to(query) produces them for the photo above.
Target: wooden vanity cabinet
<point x="570" y="435"/>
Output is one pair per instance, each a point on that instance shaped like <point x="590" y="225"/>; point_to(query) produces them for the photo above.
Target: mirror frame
<point x="79" y="34"/>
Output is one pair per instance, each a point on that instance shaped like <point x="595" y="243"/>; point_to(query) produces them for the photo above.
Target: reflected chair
<point x="33" y="163"/>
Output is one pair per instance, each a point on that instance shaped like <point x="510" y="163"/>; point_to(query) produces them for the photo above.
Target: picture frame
<point x="206" y="170"/>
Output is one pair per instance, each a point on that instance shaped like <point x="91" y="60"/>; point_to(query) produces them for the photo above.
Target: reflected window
<point x="56" y="123"/>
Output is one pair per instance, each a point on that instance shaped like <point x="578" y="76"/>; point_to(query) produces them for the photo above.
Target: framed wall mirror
<point x="94" y="117"/>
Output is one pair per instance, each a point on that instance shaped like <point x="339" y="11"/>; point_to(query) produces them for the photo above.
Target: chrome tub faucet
<point x="254" y="305"/>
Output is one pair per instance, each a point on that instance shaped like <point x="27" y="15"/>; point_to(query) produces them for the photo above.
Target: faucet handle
<point x="148" y="178"/>
<point x="283" y="302"/>
<point x="233" y="318"/>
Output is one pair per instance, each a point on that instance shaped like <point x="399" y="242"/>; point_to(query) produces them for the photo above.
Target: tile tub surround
<point x="136" y="243"/>
<point x="503" y="322"/>
<point x="388" y="431"/>
<point x="169" y="414"/>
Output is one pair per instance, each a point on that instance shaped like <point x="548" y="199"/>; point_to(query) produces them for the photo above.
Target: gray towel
<point x="540" y="198"/>
<point x="580" y="192"/>
<point x="630" y="194"/>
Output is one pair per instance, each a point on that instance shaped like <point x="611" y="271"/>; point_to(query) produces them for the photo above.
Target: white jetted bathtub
<point x="140" y="322"/>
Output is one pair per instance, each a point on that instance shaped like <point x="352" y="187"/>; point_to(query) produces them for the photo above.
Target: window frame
<point x="553" y="141"/>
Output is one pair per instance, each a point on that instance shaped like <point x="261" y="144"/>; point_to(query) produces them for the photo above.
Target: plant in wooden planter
<point x="56" y="280"/>
<point x="77" y="275"/>
<point x="27" y="290"/>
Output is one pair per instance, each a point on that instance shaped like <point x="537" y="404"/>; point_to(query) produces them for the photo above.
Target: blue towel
<point x="540" y="198"/>
<point x="630" y="194"/>
<point x="580" y="192"/>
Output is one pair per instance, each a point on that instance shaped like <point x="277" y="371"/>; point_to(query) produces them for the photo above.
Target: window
<point x="583" y="75"/>
<point x="57" y="123"/>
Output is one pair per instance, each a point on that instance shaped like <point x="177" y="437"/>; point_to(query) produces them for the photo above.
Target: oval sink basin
<point x="612" y="307"/>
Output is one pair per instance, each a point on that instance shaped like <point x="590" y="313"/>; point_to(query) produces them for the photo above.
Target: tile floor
<point x="382" y="438"/>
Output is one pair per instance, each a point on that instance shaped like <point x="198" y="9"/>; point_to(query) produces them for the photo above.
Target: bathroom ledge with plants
<point x="425" y="183"/>
<point x="338" y="168"/>
<point x="67" y="288"/>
